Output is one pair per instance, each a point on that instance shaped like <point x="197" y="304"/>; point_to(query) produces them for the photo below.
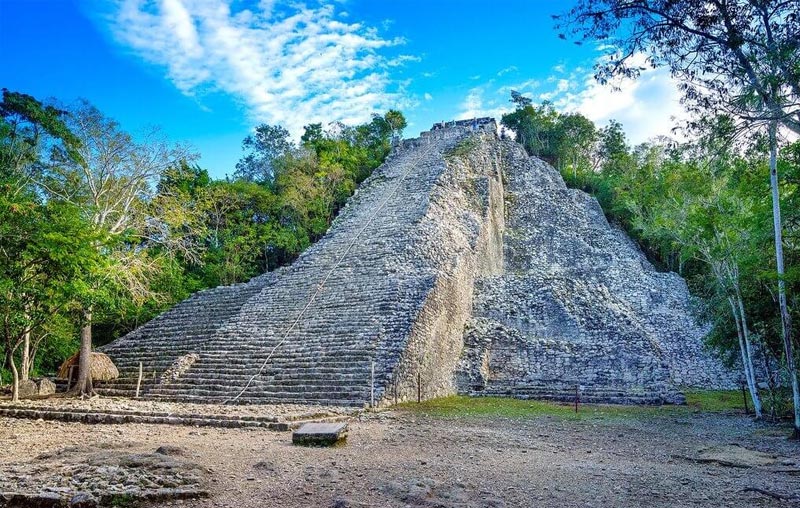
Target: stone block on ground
<point x="733" y="455"/>
<point x="46" y="387"/>
<point x="28" y="388"/>
<point x="320" y="434"/>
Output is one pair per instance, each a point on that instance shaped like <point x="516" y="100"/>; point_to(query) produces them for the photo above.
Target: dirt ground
<point x="403" y="458"/>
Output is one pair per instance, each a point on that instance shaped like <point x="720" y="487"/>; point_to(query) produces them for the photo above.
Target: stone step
<point x="121" y="417"/>
<point x="599" y="395"/>
<point x="244" y="400"/>
<point x="246" y="356"/>
<point x="267" y="391"/>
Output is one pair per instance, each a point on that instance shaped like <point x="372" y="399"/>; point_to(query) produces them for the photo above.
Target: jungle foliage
<point x="101" y="230"/>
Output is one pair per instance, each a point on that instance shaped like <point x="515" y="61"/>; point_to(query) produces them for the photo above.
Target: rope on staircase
<point x="321" y="285"/>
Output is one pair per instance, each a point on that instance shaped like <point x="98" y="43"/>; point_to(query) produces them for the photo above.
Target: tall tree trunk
<point x="6" y="361"/>
<point x="786" y="322"/>
<point x="747" y="359"/>
<point x="749" y="349"/>
<point x="25" y="366"/>
<point x="84" y="384"/>
<point x="15" y="378"/>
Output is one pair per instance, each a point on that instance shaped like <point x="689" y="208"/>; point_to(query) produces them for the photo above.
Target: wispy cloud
<point x="646" y="107"/>
<point x="562" y="86"/>
<point x="522" y="86"/>
<point x="288" y="64"/>
<point x="511" y="68"/>
<point x="476" y="104"/>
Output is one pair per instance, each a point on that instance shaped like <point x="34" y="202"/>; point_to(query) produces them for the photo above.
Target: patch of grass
<point x="459" y="405"/>
<point x="463" y="148"/>
<point x="503" y="407"/>
<point x="716" y="400"/>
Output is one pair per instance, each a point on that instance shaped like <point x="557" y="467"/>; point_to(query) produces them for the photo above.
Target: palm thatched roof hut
<point x="102" y="368"/>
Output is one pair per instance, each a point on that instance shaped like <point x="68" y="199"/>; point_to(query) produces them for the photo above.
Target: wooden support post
<point x="372" y="387"/>
<point x="139" y="381"/>
<point x="69" y="376"/>
<point x="744" y="396"/>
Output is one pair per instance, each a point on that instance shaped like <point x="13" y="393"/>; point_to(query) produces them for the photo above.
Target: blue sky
<point x="208" y="71"/>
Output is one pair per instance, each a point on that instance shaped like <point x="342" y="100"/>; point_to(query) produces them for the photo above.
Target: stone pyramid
<point x="461" y="264"/>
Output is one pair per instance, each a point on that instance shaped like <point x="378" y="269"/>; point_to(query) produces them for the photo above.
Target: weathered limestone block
<point x="179" y="368"/>
<point x="320" y="434"/>
<point x="45" y="387"/>
<point x="28" y="388"/>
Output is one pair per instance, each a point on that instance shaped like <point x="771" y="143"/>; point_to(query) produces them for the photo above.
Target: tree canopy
<point x="734" y="56"/>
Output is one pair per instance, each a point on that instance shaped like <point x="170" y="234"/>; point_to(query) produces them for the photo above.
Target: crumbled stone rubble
<point x="90" y="476"/>
<point x="119" y="411"/>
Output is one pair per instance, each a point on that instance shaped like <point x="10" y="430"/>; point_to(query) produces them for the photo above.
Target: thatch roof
<point x="102" y="368"/>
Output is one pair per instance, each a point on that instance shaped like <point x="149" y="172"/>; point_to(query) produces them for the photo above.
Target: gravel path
<point x="403" y="459"/>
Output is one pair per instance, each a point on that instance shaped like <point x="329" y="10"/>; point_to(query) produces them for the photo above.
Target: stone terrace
<point x="280" y="417"/>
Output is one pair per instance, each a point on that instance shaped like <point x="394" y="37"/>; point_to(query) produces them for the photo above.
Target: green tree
<point x="536" y="128"/>
<point x="567" y="141"/>
<point x="27" y="129"/>
<point x="267" y="143"/>
<point x="708" y="219"/>
<point x="396" y="122"/>
<point x="111" y="182"/>
<point x="736" y="56"/>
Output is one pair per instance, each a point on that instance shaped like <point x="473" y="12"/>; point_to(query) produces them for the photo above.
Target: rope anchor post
<point x="372" y="387"/>
<point x="139" y="380"/>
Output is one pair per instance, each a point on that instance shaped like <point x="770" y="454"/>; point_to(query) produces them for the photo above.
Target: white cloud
<point x="476" y="105"/>
<point x="288" y="65"/>
<point x="402" y="59"/>
<point x="562" y="86"/>
<point x="521" y="87"/>
<point x="428" y="97"/>
<point x="646" y="107"/>
<point x="511" y="68"/>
